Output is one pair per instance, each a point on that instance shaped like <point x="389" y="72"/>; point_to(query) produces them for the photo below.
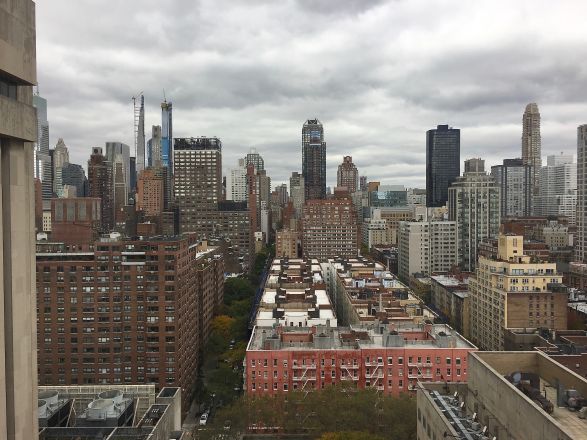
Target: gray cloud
<point x="378" y="74"/>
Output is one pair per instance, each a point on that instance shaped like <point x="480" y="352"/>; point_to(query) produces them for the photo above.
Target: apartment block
<point x="286" y="243"/>
<point x="126" y="312"/>
<point x="76" y="220"/>
<point x="450" y="297"/>
<point x="365" y="292"/>
<point x="426" y="247"/>
<point x="330" y="229"/>
<point x="507" y="395"/>
<point x="281" y="359"/>
<point x="511" y="290"/>
<point x="295" y="295"/>
<point x="151" y="192"/>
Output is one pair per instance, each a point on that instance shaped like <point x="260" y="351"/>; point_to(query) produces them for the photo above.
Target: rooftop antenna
<point x="164" y="98"/>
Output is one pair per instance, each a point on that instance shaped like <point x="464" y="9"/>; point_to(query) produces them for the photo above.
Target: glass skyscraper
<point x="314" y="159"/>
<point x="443" y="155"/>
<point x="167" y="135"/>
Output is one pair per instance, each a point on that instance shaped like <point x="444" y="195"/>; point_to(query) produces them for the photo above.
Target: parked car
<point x="204" y="419"/>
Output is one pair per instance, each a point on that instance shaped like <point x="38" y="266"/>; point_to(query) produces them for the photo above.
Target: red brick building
<point x="126" y="312"/>
<point x="75" y="220"/>
<point x="387" y="359"/>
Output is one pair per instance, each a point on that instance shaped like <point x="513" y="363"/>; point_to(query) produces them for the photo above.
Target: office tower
<point x="18" y="132"/>
<point x="297" y="192"/>
<point x="236" y="183"/>
<point x="416" y="197"/>
<point x="531" y="142"/>
<point x="473" y="202"/>
<point x="387" y="196"/>
<point x="75" y="221"/>
<point x="255" y="159"/>
<point x="118" y="148"/>
<point x="100" y="185"/>
<point x="426" y="247"/>
<point x="133" y="173"/>
<point x="74" y="175"/>
<point x="581" y="242"/>
<point x="43" y="166"/>
<point x="514" y="179"/>
<point x="363" y="183"/>
<point x="314" y="160"/>
<point x="150" y="193"/>
<point x="557" y="193"/>
<point x="526" y="294"/>
<point x="60" y="158"/>
<point x="330" y="229"/>
<point x="167" y="135"/>
<point x="347" y="175"/>
<point x="154" y="151"/>
<point x="139" y="114"/>
<point x="282" y="196"/>
<point x="443" y="157"/>
<point x="148" y="326"/>
<point x="197" y="170"/>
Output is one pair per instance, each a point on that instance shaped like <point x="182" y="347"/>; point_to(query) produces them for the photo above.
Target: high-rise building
<point x="511" y="291"/>
<point x="282" y="196"/>
<point x="150" y="192"/>
<point x="140" y="132"/>
<point x="154" y="151"/>
<point x="255" y="159"/>
<point x="236" y="183"/>
<point x="363" y="183"/>
<point x="43" y="166"/>
<point x="531" y="142"/>
<point x="581" y="242"/>
<point x="314" y="160"/>
<point x="197" y="170"/>
<point x="118" y="148"/>
<point x="18" y="132"/>
<point x="473" y="202"/>
<point x="557" y="193"/>
<point x="514" y="179"/>
<point x="60" y="158"/>
<point x="74" y="175"/>
<point x="120" y="187"/>
<point x="297" y="192"/>
<point x="387" y="196"/>
<point x="167" y="135"/>
<point x="148" y="326"/>
<point x="100" y="185"/>
<point x="426" y="247"/>
<point x="347" y="175"/>
<point x="75" y="221"/>
<point x="443" y="157"/>
<point x="330" y="229"/>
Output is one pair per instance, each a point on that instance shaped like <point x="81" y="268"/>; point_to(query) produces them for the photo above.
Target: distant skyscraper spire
<point x="531" y="142"/>
<point x="139" y="114"/>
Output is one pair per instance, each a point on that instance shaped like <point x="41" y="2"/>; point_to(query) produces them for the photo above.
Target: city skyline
<point x="254" y="95"/>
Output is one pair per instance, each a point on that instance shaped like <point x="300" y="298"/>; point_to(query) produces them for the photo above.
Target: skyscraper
<point x="140" y="132"/>
<point x="255" y="159"/>
<point x="100" y="182"/>
<point x="581" y="245"/>
<point x="18" y="132"/>
<point x="297" y="192"/>
<point x="314" y="159"/>
<point x="473" y="202"/>
<point x="197" y="170"/>
<point x="154" y="151"/>
<point x="514" y="179"/>
<point x="236" y="183"/>
<point x="531" y="142"/>
<point x="167" y="135"/>
<point x="73" y="174"/>
<point x="443" y="156"/>
<point x="558" y="188"/>
<point x="118" y="148"/>
<point x="347" y="175"/>
<point x="43" y="167"/>
<point x="60" y="158"/>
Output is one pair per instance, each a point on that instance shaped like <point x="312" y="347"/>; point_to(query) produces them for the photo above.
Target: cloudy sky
<point x="378" y="74"/>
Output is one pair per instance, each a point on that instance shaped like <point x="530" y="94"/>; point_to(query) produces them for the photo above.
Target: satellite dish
<point x="462" y="405"/>
<point x="455" y="394"/>
<point x="484" y="430"/>
<point x="517" y="377"/>
<point x="474" y="416"/>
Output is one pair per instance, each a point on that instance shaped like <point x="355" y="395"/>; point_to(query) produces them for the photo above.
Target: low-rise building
<point x="450" y="298"/>
<point x="387" y="359"/>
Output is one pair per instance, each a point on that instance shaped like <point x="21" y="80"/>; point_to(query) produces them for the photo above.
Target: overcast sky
<point x="378" y="74"/>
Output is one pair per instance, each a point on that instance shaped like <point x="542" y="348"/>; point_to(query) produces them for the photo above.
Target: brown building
<point x="150" y="193"/>
<point x="100" y="183"/>
<point x="75" y="220"/>
<point x="126" y="312"/>
<point x="286" y="243"/>
<point x="330" y="229"/>
<point x="347" y="175"/>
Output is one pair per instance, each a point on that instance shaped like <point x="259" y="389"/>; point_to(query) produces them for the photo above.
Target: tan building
<point x="286" y="243"/>
<point x="507" y="396"/>
<point x="511" y="290"/>
<point x="18" y="131"/>
<point x="150" y="193"/>
<point x="393" y="216"/>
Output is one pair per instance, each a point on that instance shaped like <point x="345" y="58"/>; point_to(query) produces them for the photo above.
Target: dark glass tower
<point x="443" y="155"/>
<point x="314" y="159"/>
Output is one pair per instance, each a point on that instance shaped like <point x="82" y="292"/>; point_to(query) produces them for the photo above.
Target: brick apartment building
<point x="389" y="360"/>
<point x="75" y="220"/>
<point x="125" y="312"/>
